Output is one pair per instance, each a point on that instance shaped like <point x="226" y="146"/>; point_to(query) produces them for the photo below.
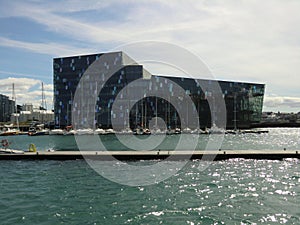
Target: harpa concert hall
<point x="109" y="78"/>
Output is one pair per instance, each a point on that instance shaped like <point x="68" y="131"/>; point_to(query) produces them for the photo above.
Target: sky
<point x="245" y="40"/>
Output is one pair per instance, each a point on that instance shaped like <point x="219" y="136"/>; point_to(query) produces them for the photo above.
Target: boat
<point x="9" y="130"/>
<point x="216" y="130"/>
<point x="38" y="130"/>
<point x="10" y="151"/>
<point x="186" y="130"/>
<point x="69" y="130"/>
<point x="99" y="131"/>
<point x="56" y="132"/>
<point x="125" y="131"/>
<point x="157" y="131"/>
<point x="142" y="131"/>
<point x="85" y="131"/>
<point x="198" y="131"/>
<point x="110" y="131"/>
<point x="5" y="144"/>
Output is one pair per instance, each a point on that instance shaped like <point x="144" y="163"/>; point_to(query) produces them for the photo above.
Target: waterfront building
<point x="7" y="108"/>
<point x="29" y="114"/>
<point x="243" y="101"/>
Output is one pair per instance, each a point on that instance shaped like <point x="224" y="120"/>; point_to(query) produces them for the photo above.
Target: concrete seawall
<point x="153" y="155"/>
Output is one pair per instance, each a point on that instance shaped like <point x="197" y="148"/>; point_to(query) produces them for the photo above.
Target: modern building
<point x="112" y="77"/>
<point x="7" y="108"/>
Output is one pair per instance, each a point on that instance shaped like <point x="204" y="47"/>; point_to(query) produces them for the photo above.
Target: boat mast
<point x="14" y="98"/>
<point x="44" y="105"/>
<point x="156" y="112"/>
<point x="234" y="112"/>
<point x="142" y="113"/>
<point x="136" y="115"/>
<point x="145" y="113"/>
<point x="169" y="114"/>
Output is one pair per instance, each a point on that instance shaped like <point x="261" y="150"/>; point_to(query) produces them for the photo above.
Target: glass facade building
<point x="243" y="101"/>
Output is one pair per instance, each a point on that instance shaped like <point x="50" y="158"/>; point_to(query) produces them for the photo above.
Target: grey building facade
<point x="6" y="108"/>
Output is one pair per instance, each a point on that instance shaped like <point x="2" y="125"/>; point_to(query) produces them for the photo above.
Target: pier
<point x="152" y="155"/>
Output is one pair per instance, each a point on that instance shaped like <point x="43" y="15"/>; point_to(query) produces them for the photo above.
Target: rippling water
<point x="227" y="192"/>
<point x="276" y="139"/>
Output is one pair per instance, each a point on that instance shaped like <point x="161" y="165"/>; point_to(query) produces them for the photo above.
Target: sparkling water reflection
<point x="234" y="191"/>
<point x="228" y="192"/>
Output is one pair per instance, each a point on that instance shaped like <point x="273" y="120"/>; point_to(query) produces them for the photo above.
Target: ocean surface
<point x="275" y="139"/>
<point x="234" y="191"/>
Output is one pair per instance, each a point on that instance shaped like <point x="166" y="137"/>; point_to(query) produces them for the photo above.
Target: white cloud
<point x="256" y="41"/>
<point x="54" y="49"/>
<point x="69" y="27"/>
<point x="286" y="103"/>
<point x="27" y="91"/>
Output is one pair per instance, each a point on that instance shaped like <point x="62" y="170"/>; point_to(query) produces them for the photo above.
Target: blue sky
<point x="255" y="41"/>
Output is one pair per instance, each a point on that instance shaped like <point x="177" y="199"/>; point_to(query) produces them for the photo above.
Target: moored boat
<point x="110" y="131"/>
<point x="87" y="131"/>
<point x="5" y="147"/>
<point x="99" y="131"/>
<point x="56" y="132"/>
<point x="8" y="131"/>
<point x="10" y="151"/>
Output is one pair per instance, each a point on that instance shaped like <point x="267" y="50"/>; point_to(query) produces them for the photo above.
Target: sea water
<point x="233" y="191"/>
<point x="275" y="139"/>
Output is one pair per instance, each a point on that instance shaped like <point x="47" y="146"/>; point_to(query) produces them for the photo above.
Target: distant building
<point x="29" y="113"/>
<point x="27" y="107"/>
<point x="243" y="101"/>
<point x="7" y="107"/>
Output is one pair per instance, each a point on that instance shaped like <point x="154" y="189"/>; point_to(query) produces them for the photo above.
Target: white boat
<point x="157" y="131"/>
<point x="186" y="130"/>
<point x="70" y="132"/>
<point x="198" y="131"/>
<point x="99" y="131"/>
<point x="177" y="131"/>
<point x="216" y="130"/>
<point x="10" y="151"/>
<point x="142" y="131"/>
<point x="173" y="131"/>
<point x="110" y="131"/>
<point x="38" y="132"/>
<point x="56" y="132"/>
<point x="87" y="131"/>
<point x="125" y="131"/>
<point x="9" y="131"/>
<point x="5" y="148"/>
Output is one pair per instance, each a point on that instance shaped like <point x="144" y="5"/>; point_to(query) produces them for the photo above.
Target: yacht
<point x="110" y="131"/>
<point x="86" y="131"/>
<point x="99" y="131"/>
<point x="8" y="131"/>
<point x="38" y="130"/>
<point x="56" y="132"/>
<point x="186" y="130"/>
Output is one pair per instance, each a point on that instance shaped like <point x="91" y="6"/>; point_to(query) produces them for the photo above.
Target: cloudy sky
<point x="253" y="40"/>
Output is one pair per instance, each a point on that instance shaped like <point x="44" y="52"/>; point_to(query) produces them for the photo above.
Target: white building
<point x="30" y="113"/>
